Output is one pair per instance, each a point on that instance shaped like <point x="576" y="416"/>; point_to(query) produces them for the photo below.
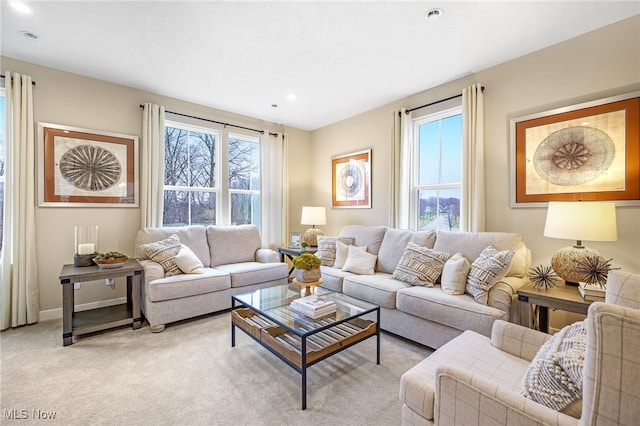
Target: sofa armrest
<point x="465" y="399"/>
<point x="152" y="270"/>
<point x="517" y="340"/>
<point x="265" y="255"/>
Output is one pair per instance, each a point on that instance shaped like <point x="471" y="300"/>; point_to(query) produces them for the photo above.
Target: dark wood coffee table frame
<point x="300" y="348"/>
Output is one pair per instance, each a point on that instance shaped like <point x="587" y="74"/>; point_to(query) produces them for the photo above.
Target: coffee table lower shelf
<point x="301" y="352"/>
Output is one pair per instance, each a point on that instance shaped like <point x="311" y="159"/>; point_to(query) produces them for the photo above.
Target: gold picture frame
<point x="583" y="152"/>
<point x="86" y="168"/>
<point x="351" y="179"/>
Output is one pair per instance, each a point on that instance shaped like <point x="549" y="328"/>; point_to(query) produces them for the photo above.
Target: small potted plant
<point x="307" y="267"/>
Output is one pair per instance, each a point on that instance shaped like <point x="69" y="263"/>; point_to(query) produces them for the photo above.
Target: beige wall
<point x="593" y="66"/>
<point x="73" y="100"/>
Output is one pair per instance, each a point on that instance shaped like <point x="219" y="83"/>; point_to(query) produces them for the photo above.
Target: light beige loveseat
<point x="428" y="315"/>
<point x="476" y="380"/>
<point x="233" y="262"/>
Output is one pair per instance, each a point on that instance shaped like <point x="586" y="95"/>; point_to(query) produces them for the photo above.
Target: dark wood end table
<point x="535" y="304"/>
<point x="77" y="323"/>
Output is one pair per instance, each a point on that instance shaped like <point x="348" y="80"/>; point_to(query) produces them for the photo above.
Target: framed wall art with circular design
<point x="351" y="176"/>
<point x="583" y="152"/>
<point x="86" y="168"/>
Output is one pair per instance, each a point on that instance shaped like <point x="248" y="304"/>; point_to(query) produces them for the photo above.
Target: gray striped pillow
<point x="164" y="252"/>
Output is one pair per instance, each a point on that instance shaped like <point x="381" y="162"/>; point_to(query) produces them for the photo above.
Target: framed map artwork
<point x="584" y="152"/>
<point x="351" y="176"/>
<point x="86" y="168"/>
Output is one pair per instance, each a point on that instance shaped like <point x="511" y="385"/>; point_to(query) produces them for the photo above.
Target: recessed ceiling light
<point x="21" y="7"/>
<point x="292" y="97"/>
<point x="433" y="14"/>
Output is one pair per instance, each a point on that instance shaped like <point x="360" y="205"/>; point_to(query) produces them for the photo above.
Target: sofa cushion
<point x="420" y="265"/>
<point x="327" y="249"/>
<point x="232" y="243"/>
<point x="554" y="377"/>
<point x="359" y="261"/>
<point x="379" y="289"/>
<point x="489" y="268"/>
<point x="623" y="288"/>
<point x="471" y="244"/>
<point x="369" y="236"/>
<point x="460" y="312"/>
<point x="470" y="350"/>
<point x="193" y="236"/>
<point x="188" y="262"/>
<point x="332" y="277"/>
<point x="394" y="242"/>
<point x="179" y="286"/>
<point x="164" y="252"/>
<point x="249" y="273"/>
<point x="454" y="274"/>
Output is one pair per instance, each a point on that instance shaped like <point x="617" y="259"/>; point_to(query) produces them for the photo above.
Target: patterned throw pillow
<point x="554" y="377"/>
<point x="489" y="268"/>
<point x="164" y="252"/>
<point x="327" y="248"/>
<point x="420" y="265"/>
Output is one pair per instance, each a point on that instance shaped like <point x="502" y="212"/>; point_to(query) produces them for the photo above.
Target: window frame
<point x="447" y="110"/>
<point x="222" y="189"/>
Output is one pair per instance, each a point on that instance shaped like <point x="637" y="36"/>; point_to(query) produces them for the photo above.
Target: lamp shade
<point x="313" y="216"/>
<point x="581" y="220"/>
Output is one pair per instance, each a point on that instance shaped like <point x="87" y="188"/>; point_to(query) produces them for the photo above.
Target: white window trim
<point x="414" y="217"/>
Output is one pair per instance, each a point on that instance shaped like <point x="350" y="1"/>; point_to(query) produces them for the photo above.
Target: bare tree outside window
<point x="191" y="171"/>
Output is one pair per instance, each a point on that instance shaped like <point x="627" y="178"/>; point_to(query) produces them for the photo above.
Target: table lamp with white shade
<point x="579" y="221"/>
<point x="312" y="216"/>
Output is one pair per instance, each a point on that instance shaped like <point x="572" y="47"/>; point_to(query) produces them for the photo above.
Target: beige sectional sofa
<point x="232" y="262"/>
<point x="423" y="314"/>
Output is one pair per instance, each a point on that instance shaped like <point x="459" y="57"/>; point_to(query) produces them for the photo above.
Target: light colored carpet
<point x="190" y="375"/>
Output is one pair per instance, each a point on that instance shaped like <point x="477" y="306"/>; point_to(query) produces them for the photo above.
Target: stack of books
<point x="591" y="291"/>
<point x="313" y="306"/>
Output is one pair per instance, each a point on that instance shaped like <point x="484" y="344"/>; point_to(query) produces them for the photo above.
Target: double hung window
<point x="437" y="181"/>
<point x="211" y="176"/>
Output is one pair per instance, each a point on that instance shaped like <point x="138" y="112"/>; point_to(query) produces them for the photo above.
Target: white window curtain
<point x="20" y="289"/>
<point x="152" y="166"/>
<point x="472" y="203"/>
<point x="274" y="194"/>
<point x="403" y="205"/>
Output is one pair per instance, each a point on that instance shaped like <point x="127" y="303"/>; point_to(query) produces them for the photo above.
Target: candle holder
<point x="86" y="245"/>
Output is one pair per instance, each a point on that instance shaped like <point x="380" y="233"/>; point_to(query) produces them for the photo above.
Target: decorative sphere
<point x="310" y="236"/>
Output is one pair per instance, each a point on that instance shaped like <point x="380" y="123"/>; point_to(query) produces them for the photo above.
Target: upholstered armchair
<point x="474" y="380"/>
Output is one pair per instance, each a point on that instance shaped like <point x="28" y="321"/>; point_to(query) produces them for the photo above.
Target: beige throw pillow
<point x="327" y="248"/>
<point x="188" y="262"/>
<point x="359" y="261"/>
<point x="164" y="252"/>
<point x="454" y="274"/>
<point x="420" y="265"/>
<point x="342" y="251"/>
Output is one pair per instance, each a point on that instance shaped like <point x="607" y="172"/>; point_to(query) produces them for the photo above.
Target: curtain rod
<point x="437" y="102"/>
<point x="213" y="121"/>
<point x="33" y="83"/>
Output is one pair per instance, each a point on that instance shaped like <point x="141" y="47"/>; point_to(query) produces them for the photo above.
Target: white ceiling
<point x="340" y="58"/>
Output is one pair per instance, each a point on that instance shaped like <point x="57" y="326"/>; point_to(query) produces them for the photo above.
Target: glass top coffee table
<point x="299" y="340"/>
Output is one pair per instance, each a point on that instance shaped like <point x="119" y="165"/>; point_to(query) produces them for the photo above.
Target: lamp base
<point x="566" y="263"/>
<point x="310" y="236"/>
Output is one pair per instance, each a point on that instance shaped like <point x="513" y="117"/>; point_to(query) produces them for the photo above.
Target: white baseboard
<point x="52" y="314"/>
